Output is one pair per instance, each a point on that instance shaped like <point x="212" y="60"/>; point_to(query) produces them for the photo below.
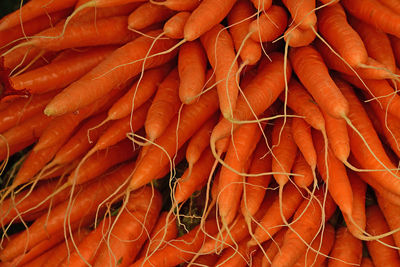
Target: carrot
<point x="205" y="260"/>
<point x="262" y="5"/>
<point x="395" y="43"/>
<point x="130" y="229"/>
<point x="347" y="249"/>
<point x="33" y="10"/>
<point x="102" y="3"/>
<point x="163" y="231"/>
<point x="366" y="262"/>
<point x="359" y="189"/>
<point x="54" y="220"/>
<point x="381" y="254"/>
<point x="59" y="74"/>
<point x="269" y="25"/>
<point x="393" y="5"/>
<point x="272" y="247"/>
<point x="300" y="101"/>
<point x="301" y="133"/>
<point x="371" y="10"/>
<point x="297" y="37"/>
<point x="164" y="106"/>
<point x="219" y="48"/>
<point x="311" y="257"/>
<point x="94" y="13"/>
<point x="22" y="109"/>
<point x="333" y="26"/>
<point x="205" y="17"/>
<point x="313" y="74"/>
<point x="173" y="138"/>
<point x="236" y="256"/>
<point x="139" y="93"/>
<point x="98" y="81"/>
<point x="255" y="186"/>
<point x="376" y="42"/>
<point x="260" y="94"/>
<point x="200" y="141"/>
<point x="306" y="177"/>
<point x="173" y="28"/>
<point x="148" y="14"/>
<point x="192" y="65"/>
<point x="338" y="138"/>
<point x="386" y="179"/>
<point x="302" y="12"/>
<point x="180" y="249"/>
<point x="178" y="5"/>
<point x="196" y="178"/>
<point x="389" y="211"/>
<point x="271" y="221"/>
<point x="239" y="20"/>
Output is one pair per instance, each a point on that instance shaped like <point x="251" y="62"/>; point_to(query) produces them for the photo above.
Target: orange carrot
<point x="389" y="211"/>
<point x="296" y="37"/>
<point x="381" y="254"/>
<point x="173" y="28"/>
<point x="109" y="73"/>
<point x="174" y="137"/>
<point x="239" y="20"/>
<point x="192" y="65"/>
<point x="103" y="3"/>
<point x="301" y="133"/>
<point x="206" y="16"/>
<point x="164" y="106"/>
<point x="130" y="229"/>
<point x="178" y="5"/>
<point x="347" y="249"/>
<point x="313" y="74"/>
<point x="219" y="47"/>
<point x="262" y="5"/>
<point x="61" y="73"/>
<point x="302" y="12"/>
<point x="300" y="166"/>
<point x="272" y="247"/>
<point x="366" y="262"/>
<point x="269" y="25"/>
<point x="239" y="256"/>
<point x="148" y="14"/>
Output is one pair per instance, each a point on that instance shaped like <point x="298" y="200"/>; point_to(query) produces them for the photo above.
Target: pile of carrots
<point x="200" y="133"/>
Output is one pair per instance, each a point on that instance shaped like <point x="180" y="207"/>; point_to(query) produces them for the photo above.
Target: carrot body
<point x="297" y="37"/>
<point x="59" y="74"/>
<point x="239" y="256"/>
<point x="302" y="12"/>
<point x="347" y="249"/>
<point x="301" y="133"/>
<point x="313" y="74"/>
<point x="107" y="75"/>
<point x="389" y="211"/>
<point x="173" y="138"/>
<point x="173" y="28"/>
<point x="269" y="25"/>
<point x="300" y="166"/>
<point x="220" y="50"/>
<point x="164" y="107"/>
<point x="148" y="14"/>
<point x="338" y="138"/>
<point x="208" y="14"/>
<point x="192" y="65"/>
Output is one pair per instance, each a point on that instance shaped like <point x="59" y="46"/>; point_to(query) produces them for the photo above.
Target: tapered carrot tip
<point x="7" y="92"/>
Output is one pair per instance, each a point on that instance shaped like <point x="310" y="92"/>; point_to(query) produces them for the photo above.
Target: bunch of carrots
<point x="200" y="133"/>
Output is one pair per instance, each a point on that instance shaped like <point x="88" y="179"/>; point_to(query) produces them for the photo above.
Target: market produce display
<point x="200" y="133"/>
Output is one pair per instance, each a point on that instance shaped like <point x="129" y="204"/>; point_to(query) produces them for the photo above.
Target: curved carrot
<point x="270" y="25"/>
<point x="301" y="133"/>
<point x="347" y="249"/>
<point x="148" y="14"/>
<point x="110" y="73"/>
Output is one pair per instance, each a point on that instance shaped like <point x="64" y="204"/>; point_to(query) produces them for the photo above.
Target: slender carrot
<point x="164" y="106"/>
<point x="130" y="229"/>
<point x="347" y="249"/>
<point x="371" y="10"/>
<point x="269" y="25"/>
<point x="54" y="220"/>
<point x="103" y="3"/>
<point x="302" y="12"/>
<point x="174" y="137"/>
<point x="219" y="48"/>
<point x="178" y="5"/>
<point x="239" y="256"/>
<point x="98" y="81"/>
<point x="239" y="20"/>
<point x="389" y="211"/>
<point x="93" y="13"/>
<point x="381" y="254"/>
<point x="300" y="166"/>
<point x="301" y="133"/>
<point x="61" y="73"/>
<point x="148" y="14"/>
<point x="173" y="28"/>
<point x="32" y="10"/>
<point x="205" y="17"/>
<point x="192" y="64"/>
<point x="272" y="247"/>
<point x="313" y="74"/>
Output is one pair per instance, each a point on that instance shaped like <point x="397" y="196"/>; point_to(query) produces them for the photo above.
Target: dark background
<point x="6" y="6"/>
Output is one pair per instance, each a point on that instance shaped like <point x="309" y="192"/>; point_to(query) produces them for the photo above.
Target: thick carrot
<point x="302" y="12"/>
<point x="296" y="37"/>
<point x="381" y="254"/>
<point x="61" y="73"/>
<point x="390" y="212"/>
<point x="300" y="166"/>
<point x="206" y="16"/>
<point x="180" y="249"/>
<point x="110" y="73"/>
<point x="239" y="20"/>
<point x="220" y="50"/>
<point x="347" y="249"/>
<point x="371" y="10"/>
<point x="164" y="106"/>
<point x="313" y="74"/>
<point x="173" y="28"/>
<point x="130" y="229"/>
<point x="54" y="221"/>
<point x="269" y="25"/>
<point x="192" y="64"/>
<point x="32" y="10"/>
<point x="174" y="137"/>
<point x="178" y="5"/>
<point x="301" y="132"/>
<point x="334" y="28"/>
<point x="148" y="14"/>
